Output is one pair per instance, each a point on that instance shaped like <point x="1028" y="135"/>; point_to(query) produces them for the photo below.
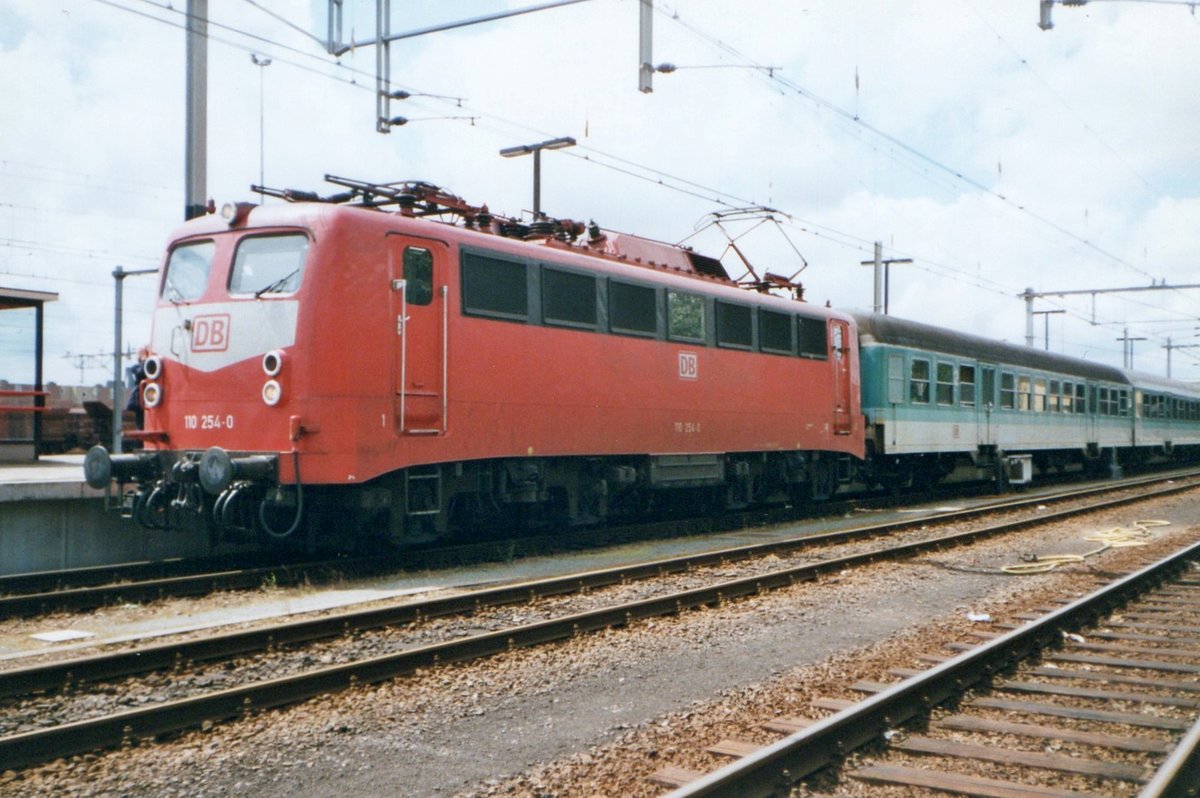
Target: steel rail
<point x="1179" y="775"/>
<point x="772" y="769"/>
<point x="72" y="672"/>
<point x="196" y="584"/>
<point x="27" y="748"/>
<point x="47" y="582"/>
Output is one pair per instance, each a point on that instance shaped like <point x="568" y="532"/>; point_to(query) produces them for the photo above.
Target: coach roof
<point x="881" y="329"/>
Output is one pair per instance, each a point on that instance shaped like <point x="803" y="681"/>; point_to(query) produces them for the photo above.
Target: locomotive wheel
<point x="824" y="481"/>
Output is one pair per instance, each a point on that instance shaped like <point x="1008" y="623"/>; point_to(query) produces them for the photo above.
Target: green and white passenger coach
<point x="943" y="405"/>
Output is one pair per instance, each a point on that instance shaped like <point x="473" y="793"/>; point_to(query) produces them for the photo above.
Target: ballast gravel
<point x="596" y="715"/>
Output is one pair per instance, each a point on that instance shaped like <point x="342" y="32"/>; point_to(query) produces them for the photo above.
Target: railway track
<point x="35" y="693"/>
<point x="1095" y="698"/>
<point x="82" y="589"/>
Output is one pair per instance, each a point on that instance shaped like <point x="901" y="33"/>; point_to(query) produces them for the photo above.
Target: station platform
<point x="51" y="477"/>
<point x="51" y="519"/>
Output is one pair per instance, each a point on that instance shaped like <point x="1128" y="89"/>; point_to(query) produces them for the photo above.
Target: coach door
<point x="839" y="334"/>
<point x="985" y="407"/>
<point x="419" y="313"/>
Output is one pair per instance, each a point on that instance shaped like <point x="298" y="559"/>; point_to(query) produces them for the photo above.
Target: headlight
<point x="272" y="362"/>
<point x="272" y="392"/>
<point x="151" y="395"/>
<point x="153" y="367"/>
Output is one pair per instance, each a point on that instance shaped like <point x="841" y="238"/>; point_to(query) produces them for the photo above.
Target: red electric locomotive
<point x="395" y="362"/>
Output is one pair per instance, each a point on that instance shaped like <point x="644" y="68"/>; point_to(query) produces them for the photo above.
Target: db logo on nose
<point x="210" y="333"/>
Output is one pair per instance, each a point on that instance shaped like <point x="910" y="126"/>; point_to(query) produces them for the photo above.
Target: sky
<point x="995" y="155"/>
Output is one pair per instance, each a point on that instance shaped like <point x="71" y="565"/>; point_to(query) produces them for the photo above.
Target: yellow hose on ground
<point x="1116" y="538"/>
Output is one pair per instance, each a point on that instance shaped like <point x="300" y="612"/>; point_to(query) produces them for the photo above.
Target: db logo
<point x="210" y="333"/>
<point x="689" y="366"/>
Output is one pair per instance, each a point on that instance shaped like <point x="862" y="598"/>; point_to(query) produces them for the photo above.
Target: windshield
<point x="268" y="265"/>
<point x="187" y="271"/>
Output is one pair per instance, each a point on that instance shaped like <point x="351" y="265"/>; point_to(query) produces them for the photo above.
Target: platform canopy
<point x="20" y="298"/>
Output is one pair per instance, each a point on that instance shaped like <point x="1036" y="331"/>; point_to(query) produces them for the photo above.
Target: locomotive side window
<point x="494" y="287"/>
<point x="966" y="385"/>
<point x="632" y="309"/>
<point x="735" y="325"/>
<point x="918" y="384"/>
<point x="685" y="317"/>
<point x="187" y="271"/>
<point x="268" y="265"/>
<point x="418" y="276"/>
<point x="1008" y="391"/>
<point x="945" y="383"/>
<point x="812" y="339"/>
<point x="775" y="332"/>
<point x="568" y="299"/>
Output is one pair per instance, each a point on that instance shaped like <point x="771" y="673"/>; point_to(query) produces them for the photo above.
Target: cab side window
<point x="418" y="275"/>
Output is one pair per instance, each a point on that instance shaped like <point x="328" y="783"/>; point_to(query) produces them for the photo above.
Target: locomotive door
<point x="843" y="421"/>
<point x="419" y="307"/>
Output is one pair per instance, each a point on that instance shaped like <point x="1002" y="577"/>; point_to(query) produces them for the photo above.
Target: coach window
<point x="268" y="265"/>
<point x="812" y="338"/>
<point x="1008" y="391"/>
<point x="187" y="271"/>
<point x="494" y="287"/>
<point x="1068" y="394"/>
<point x="1103" y="408"/>
<point x="1024" y="392"/>
<point x="775" y="332"/>
<point x="1053" y="398"/>
<point x="945" y="383"/>
<point x="1123" y="407"/>
<point x="632" y="309"/>
<point x="735" y="325"/>
<point x="568" y="299"/>
<point x="918" y="385"/>
<point x="685" y="317"/>
<point x="966" y="385"/>
<point x="1080" y="398"/>
<point x="1039" y="395"/>
<point x="418" y="276"/>
<point x="895" y="378"/>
